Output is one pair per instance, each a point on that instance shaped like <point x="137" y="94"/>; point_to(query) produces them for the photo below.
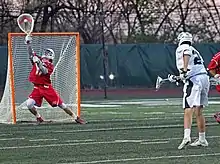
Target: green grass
<point x="131" y="134"/>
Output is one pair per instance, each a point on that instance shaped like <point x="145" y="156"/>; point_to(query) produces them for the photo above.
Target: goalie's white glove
<point x="217" y="76"/>
<point x="28" y="39"/>
<point x="172" y="78"/>
<point x="36" y="59"/>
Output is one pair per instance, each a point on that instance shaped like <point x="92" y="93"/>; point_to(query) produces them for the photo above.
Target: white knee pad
<point x="63" y="106"/>
<point x="30" y="103"/>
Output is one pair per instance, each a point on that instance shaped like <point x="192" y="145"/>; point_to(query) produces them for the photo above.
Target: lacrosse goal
<point x="65" y="78"/>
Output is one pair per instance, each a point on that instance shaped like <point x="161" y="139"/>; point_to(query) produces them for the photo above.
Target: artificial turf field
<point x="130" y="132"/>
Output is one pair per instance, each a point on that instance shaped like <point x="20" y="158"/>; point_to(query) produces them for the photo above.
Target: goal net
<point x="65" y="77"/>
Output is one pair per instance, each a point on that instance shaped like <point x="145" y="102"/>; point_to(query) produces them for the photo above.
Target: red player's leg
<point x="35" y="98"/>
<point x="54" y="100"/>
<point x="217" y="115"/>
<point x="70" y="112"/>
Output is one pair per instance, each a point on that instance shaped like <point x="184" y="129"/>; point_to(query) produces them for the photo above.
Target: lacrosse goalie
<point x="196" y="87"/>
<point x="40" y="77"/>
<point x="214" y="70"/>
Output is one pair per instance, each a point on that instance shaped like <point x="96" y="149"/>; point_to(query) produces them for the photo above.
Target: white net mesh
<point x="64" y="77"/>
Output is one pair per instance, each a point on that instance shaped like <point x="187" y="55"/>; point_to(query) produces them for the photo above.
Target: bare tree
<point x="130" y="21"/>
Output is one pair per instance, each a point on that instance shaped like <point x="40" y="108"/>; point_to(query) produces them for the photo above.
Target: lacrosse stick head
<point x="26" y="23"/>
<point x="158" y="82"/>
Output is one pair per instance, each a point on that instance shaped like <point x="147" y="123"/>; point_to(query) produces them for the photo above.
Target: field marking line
<point x="89" y="140"/>
<point x="120" y="113"/>
<point x="5" y="134"/>
<point x="152" y="113"/>
<point x="69" y="144"/>
<point x="126" y="128"/>
<point x="165" y="139"/>
<point x="173" y="117"/>
<point x="141" y="99"/>
<point x="46" y="139"/>
<point x="159" y="142"/>
<point x="9" y="139"/>
<point x="144" y="141"/>
<point x="147" y="158"/>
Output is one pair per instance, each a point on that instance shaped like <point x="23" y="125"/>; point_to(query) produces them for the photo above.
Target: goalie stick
<point x="160" y="81"/>
<point x="26" y="24"/>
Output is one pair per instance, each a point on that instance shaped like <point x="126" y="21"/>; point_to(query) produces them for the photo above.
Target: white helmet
<point x="48" y="53"/>
<point x="184" y="37"/>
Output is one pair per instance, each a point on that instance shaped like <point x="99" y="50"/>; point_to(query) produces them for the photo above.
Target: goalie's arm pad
<point x="42" y="67"/>
<point x="31" y="52"/>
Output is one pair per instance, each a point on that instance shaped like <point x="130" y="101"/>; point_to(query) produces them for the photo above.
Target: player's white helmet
<point x="185" y="37"/>
<point x="48" y="53"/>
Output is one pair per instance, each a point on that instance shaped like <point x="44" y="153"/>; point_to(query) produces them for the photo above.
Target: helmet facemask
<point x="49" y="54"/>
<point x="185" y="37"/>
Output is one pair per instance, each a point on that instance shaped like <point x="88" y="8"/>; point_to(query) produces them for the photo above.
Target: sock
<point x="74" y="116"/>
<point x="38" y="115"/>
<point x="187" y="133"/>
<point x="201" y="136"/>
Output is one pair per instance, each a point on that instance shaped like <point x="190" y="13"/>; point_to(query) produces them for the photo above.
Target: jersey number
<point x="197" y="59"/>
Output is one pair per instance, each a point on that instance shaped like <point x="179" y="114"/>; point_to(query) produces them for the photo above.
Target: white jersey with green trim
<point x="196" y="62"/>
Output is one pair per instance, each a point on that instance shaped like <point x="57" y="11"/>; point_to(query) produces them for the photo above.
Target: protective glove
<point x="36" y="59"/>
<point x="172" y="78"/>
<point x="28" y="39"/>
<point x="217" y="76"/>
<point x="183" y="75"/>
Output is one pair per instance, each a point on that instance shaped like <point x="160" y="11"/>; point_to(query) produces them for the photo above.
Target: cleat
<point x="200" y="143"/>
<point x="217" y="117"/>
<point x="39" y="120"/>
<point x="78" y="120"/>
<point x="184" y="143"/>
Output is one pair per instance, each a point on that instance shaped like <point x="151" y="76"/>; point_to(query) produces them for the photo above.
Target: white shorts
<point x="195" y="91"/>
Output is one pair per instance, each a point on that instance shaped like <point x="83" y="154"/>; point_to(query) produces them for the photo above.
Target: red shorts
<point x="48" y="93"/>
<point x="218" y="88"/>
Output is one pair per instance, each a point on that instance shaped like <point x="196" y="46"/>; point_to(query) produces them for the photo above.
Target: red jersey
<point x="215" y="65"/>
<point x="36" y="76"/>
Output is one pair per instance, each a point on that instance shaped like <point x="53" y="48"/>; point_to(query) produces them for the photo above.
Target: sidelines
<point x="147" y="158"/>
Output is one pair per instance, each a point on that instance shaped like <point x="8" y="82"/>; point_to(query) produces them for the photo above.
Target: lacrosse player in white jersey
<point x="196" y="87"/>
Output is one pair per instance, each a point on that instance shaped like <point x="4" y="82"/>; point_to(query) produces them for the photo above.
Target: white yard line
<point x="142" y="100"/>
<point x="89" y="140"/>
<point x="45" y="139"/>
<point x="70" y="144"/>
<point x="154" y="140"/>
<point x="5" y="134"/>
<point x="159" y="142"/>
<point x="152" y="113"/>
<point x="100" y="106"/>
<point x="9" y="139"/>
<point x="125" y="128"/>
<point x="147" y="158"/>
<point x="115" y="113"/>
<point x="174" y="117"/>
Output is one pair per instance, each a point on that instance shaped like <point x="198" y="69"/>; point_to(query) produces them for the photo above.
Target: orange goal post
<point x="65" y="77"/>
